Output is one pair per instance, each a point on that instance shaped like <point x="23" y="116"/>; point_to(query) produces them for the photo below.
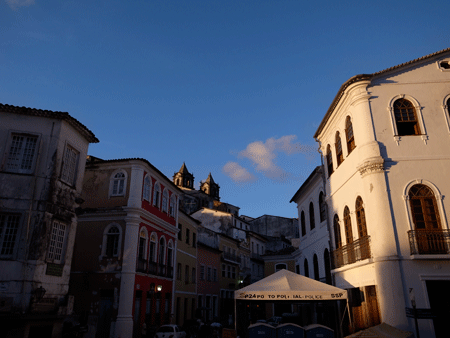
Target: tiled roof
<point x="81" y="128"/>
<point x="363" y="77"/>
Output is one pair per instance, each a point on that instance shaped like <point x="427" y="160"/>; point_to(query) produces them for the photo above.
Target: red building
<point x="123" y="266"/>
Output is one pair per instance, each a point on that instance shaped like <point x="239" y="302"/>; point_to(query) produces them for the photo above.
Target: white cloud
<point x="14" y="4"/>
<point x="237" y="173"/>
<point x="264" y="155"/>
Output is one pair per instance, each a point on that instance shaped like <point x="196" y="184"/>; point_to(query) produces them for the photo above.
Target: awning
<point x="286" y="285"/>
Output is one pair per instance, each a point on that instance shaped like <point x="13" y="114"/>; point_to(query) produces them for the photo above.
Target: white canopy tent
<point x="286" y="285"/>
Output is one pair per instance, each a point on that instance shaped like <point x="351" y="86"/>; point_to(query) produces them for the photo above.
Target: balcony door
<point x="427" y="224"/>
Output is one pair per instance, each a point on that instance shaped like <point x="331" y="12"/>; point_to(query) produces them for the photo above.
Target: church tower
<point x="210" y="187"/>
<point x="183" y="178"/>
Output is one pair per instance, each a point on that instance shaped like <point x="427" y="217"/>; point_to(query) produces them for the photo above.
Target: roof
<point x="316" y="171"/>
<point x="183" y="169"/>
<point x="77" y="125"/>
<point x="93" y="161"/>
<point x="368" y="77"/>
<point x="286" y="285"/>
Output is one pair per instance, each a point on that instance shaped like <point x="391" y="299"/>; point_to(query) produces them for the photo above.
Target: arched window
<point x="316" y="267"/>
<point x="152" y="254"/>
<point x="156" y="195"/>
<point x="302" y="221"/>
<point x="338" y="145"/>
<point x="118" y="183"/>
<point x="427" y="224"/>
<point x="326" y="260"/>
<point x="323" y="208"/>
<point x="162" y="250"/>
<point x="360" y="218"/>
<point x="172" y="206"/>
<point x="305" y="266"/>
<point x="280" y="266"/>
<point x="406" y="118"/>
<point x="424" y="208"/>
<point x="147" y="188"/>
<point x="170" y="255"/>
<point x="312" y="222"/>
<point x="142" y="250"/>
<point x="165" y="200"/>
<point x="329" y="161"/>
<point x="348" y="235"/>
<point x="349" y="135"/>
<point x="337" y="232"/>
<point x="111" y="241"/>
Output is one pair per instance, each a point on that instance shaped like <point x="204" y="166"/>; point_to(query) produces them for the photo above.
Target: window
<point x="223" y="270"/>
<point x="69" y="165"/>
<point x="406" y="118"/>
<point x="111" y="241"/>
<point x="280" y="266"/>
<point x="179" y="271"/>
<point x="337" y="232"/>
<point x="305" y="266"/>
<point x="360" y="218"/>
<point x="56" y="248"/>
<point x="172" y="206"/>
<point x="348" y="226"/>
<point x="338" y="146"/>
<point x="323" y="207"/>
<point x="142" y="244"/>
<point x="186" y="274"/>
<point x="329" y="161"/>
<point x="180" y="232"/>
<point x="316" y="267"/>
<point x="349" y="135"/>
<point x="165" y="200"/>
<point x="118" y="183"/>
<point x="302" y="221"/>
<point x="170" y="255"/>
<point x="312" y="222"/>
<point x="233" y="272"/>
<point x="9" y="226"/>
<point x="194" y="276"/>
<point x="424" y="208"/>
<point x="194" y="240"/>
<point x="208" y="275"/>
<point x="202" y="272"/>
<point x="147" y="188"/>
<point x="152" y="253"/>
<point x="22" y="153"/>
<point x="156" y="195"/>
<point x="215" y="275"/>
<point x="162" y="250"/>
<point x="187" y="236"/>
<point x="228" y="271"/>
<point x="446" y="108"/>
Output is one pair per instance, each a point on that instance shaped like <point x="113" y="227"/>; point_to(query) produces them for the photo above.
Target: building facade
<point x="385" y="144"/>
<point x="41" y="174"/>
<point x="125" y="250"/>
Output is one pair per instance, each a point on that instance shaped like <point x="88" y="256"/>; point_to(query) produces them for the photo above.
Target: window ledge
<point x="430" y="257"/>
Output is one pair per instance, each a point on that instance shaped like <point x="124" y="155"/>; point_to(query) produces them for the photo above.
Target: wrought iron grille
<point x="429" y="242"/>
<point x="351" y="253"/>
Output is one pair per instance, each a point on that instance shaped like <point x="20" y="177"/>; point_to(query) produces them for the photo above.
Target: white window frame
<point x="69" y="166"/>
<point x="20" y="156"/>
<point x="5" y="237"/>
<point x="157" y="195"/>
<point x="57" y="242"/>
<point x="105" y="239"/>
<point x="165" y="201"/>
<point x="113" y="179"/>
<point x="172" y="206"/>
<point x="147" y="190"/>
<point x="154" y="239"/>
<point x="143" y="233"/>
<point x="418" y="109"/>
<point x="446" y="110"/>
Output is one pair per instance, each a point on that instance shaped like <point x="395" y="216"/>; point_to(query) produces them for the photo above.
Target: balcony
<point x="256" y="256"/>
<point x="429" y="242"/>
<point x="230" y="257"/>
<point x="351" y="253"/>
<point x="152" y="268"/>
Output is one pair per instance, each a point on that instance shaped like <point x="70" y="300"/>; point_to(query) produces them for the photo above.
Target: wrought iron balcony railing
<point x="231" y="257"/>
<point x="153" y="268"/>
<point x="351" y="253"/>
<point x="429" y="242"/>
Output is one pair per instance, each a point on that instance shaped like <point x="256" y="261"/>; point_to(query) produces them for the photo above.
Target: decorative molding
<point x="371" y="166"/>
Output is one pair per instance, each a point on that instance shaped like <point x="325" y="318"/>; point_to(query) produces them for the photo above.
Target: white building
<point x="386" y="146"/>
<point x="42" y="163"/>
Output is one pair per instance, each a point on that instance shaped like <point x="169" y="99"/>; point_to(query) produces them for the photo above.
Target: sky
<point x="232" y="88"/>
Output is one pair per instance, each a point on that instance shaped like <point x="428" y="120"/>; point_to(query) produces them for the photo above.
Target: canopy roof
<point x="286" y="285"/>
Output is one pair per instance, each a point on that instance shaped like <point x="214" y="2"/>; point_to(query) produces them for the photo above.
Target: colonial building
<point x="41" y="174"/>
<point x="385" y="142"/>
<point x="186" y="273"/>
<point x="123" y="271"/>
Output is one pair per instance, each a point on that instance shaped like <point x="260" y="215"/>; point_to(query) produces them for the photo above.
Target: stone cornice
<point x="371" y="166"/>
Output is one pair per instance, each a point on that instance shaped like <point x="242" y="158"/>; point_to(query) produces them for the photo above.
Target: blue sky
<point x="235" y="88"/>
